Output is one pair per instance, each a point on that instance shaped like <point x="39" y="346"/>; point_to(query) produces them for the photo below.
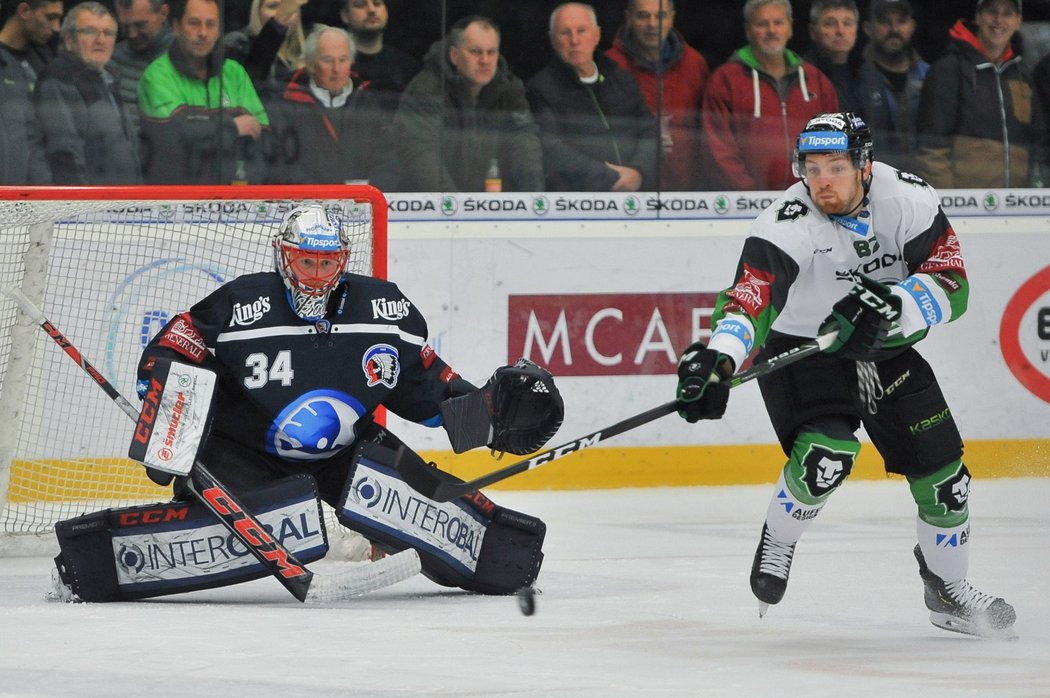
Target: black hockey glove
<point x="863" y="319"/>
<point x="703" y="387"/>
<point x="527" y="408"/>
<point x="518" y="410"/>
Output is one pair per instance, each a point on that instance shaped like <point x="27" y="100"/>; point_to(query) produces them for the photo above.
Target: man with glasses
<point x="87" y="135"/>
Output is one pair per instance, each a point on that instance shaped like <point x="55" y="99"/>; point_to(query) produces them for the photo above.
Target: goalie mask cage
<point x="110" y="266"/>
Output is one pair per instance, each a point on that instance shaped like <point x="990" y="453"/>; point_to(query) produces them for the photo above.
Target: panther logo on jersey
<point x="824" y="469"/>
<point x="791" y="211"/>
<point x="954" y="492"/>
<point x="314" y="425"/>
<point x="381" y="365"/>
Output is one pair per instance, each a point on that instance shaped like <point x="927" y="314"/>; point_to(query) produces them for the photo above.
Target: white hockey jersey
<point x="797" y="262"/>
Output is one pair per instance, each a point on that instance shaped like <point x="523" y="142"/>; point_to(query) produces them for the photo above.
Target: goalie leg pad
<point x="471" y="543"/>
<point x="154" y="550"/>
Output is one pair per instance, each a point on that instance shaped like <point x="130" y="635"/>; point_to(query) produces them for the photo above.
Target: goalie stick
<point x="306" y="586"/>
<point x="428" y="481"/>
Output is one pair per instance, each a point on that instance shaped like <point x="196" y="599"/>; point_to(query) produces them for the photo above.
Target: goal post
<point x="110" y="266"/>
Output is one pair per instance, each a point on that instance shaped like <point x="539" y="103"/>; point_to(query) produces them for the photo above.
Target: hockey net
<point x="109" y="267"/>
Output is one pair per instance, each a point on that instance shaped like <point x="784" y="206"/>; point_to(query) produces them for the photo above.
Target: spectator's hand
<point x="630" y="178"/>
<point x="288" y="12"/>
<point x="666" y="141"/>
<point x="248" y="125"/>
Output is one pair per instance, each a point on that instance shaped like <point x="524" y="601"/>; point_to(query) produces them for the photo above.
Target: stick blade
<point x="363" y="578"/>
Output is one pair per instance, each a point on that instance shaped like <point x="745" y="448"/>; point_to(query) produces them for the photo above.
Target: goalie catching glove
<point x="517" y="411"/>
<point x="863" y="319"/>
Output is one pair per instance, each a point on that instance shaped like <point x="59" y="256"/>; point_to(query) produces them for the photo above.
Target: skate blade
<point x="967" y="627"/>
<point x="762" y="608"/>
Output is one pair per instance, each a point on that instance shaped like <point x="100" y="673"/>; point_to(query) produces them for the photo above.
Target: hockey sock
<point x="818" y="464"/>
<point x="943" y="523"/>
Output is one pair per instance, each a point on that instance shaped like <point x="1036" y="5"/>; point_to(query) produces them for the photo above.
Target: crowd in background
<point x="480" y="95"/>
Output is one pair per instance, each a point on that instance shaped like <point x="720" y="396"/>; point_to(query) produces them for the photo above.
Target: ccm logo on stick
<point x="148" y="415"/>
<point x="255" y="535"/>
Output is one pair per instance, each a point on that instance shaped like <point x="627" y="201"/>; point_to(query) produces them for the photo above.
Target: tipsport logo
<point x="822" y="140"/>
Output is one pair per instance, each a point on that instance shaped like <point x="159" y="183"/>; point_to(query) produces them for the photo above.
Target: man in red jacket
<point x="754" y="103"/>
<point x="671" y="75"/>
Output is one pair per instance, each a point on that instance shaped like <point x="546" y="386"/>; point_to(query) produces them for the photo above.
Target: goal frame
<point x="64" y="197"/>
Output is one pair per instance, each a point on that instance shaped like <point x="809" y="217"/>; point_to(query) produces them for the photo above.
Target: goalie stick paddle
<point x="428" y="481"/>
<point x="306" y="586"/>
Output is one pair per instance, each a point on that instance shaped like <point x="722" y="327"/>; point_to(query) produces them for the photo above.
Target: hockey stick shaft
<point x="218" y="499"/>
<point x="424" y="481"/>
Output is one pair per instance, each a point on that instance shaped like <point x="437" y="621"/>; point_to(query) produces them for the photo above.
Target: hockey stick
<point x="426" y="480"/>
<point x="306" y="586"/>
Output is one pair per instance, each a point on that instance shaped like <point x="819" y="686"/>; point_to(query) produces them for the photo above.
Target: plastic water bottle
<point x="240" y="175"/>
<point x="493" y="181"/>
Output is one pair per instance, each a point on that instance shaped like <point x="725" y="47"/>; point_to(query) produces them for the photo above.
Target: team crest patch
<point x="381" y="365"/>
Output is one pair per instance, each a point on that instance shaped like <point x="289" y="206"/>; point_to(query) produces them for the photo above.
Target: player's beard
<point x="839" y="206"/>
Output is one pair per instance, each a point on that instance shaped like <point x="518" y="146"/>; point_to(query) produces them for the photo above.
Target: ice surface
<point x="644" y="593"/>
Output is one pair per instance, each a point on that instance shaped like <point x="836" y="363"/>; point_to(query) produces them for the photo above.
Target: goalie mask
<point x="840" y="132"/>
<point x="310" y="253"/>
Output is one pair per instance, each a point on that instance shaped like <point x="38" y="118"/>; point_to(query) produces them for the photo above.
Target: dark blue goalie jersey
<point x="295" y="389"/>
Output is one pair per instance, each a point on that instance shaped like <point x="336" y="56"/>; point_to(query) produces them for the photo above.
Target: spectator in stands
<point x="597" y="131"/>
<point x="976" y="118"/>
<point x="21" y="151"/>
<point x="271" y="47"/>
<point x="891" y="78"/>
<point x="28" y="35"/>
<point x="326" y="126"/>
<point x="190" y="135"/>
<point x="144" y="24"/>
<point x="833" y="28"/>
<point x="671" y="75"/>
<point x="464" y="113"/>
<point x="384" y="66"/>
<point x="754" y="102"/>
<point x="1039" y="172"/>
<point x="88" y="137"/>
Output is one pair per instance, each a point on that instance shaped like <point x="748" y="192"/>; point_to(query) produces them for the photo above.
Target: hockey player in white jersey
<point x="866" y="250"/>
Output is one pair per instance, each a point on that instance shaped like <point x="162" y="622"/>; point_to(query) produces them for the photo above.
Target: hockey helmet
<point x="838" y="132"/>
<point x="310" y="252"/>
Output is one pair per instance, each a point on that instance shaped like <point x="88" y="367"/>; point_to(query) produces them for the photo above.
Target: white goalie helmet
<point x="310" y="252"/>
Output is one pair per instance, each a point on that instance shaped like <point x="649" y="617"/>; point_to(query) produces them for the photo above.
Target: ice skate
<point x="60" y="591"/>
<point x="770" y="570"/>
<point x="960" y="608"/>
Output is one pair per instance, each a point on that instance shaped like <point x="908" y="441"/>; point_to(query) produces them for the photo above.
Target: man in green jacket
<point x="202" y="121"/>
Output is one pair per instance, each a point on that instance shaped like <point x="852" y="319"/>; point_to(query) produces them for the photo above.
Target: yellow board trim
<point x="593" y="468"/>
<point x="56" y="480"/>
<point x="680" y="466"/>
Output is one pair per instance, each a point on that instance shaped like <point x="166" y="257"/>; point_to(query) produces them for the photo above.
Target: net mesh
<point x="109" y="274"/>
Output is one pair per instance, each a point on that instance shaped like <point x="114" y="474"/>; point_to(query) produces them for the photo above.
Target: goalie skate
<point x="60" y="592"/>
<point x="960" y="608"/>
<point x="770" y="570"/>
